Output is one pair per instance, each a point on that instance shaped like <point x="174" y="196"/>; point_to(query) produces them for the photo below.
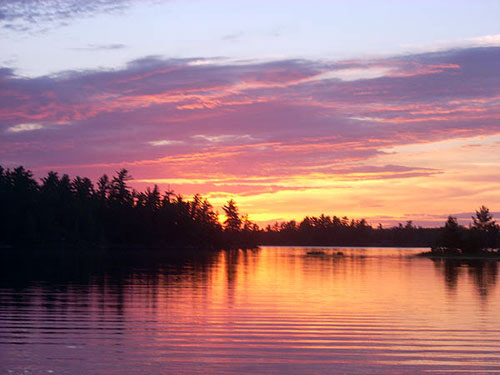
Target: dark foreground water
<point x="267" y="311"/>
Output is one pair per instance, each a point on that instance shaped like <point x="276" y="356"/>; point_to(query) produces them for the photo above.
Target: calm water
<point x="268" y="311"/>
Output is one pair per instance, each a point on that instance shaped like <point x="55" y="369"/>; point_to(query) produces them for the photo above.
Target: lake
<point x="275" y="310"/>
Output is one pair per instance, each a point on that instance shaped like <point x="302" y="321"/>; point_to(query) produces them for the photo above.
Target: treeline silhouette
<point x="341" y="231"/>
<point x="482" y="236"/>
<point x="63" y="211"/>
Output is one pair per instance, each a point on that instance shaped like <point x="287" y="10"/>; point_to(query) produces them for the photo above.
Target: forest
<point x="60" y="211"/>
<point x="64" y="211"/>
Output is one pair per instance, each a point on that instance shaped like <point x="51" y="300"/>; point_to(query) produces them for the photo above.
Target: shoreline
<point x="478" y="256"/>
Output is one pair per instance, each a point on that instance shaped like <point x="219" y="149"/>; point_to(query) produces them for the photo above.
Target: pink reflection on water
<point x="274" y="310"/>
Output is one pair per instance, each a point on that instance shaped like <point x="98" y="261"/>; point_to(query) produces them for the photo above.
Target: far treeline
<point x="62" y="211"/>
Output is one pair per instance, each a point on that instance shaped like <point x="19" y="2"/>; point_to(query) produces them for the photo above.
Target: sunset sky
<point x="388" y="110"/>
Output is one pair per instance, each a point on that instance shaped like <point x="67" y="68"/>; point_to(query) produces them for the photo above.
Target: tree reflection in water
<point x="483" y="273"/>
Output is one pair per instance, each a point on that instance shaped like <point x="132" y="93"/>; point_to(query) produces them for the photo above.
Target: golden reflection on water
<point x="273" y="310"/>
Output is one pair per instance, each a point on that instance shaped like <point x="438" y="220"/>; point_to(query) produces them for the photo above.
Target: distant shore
<point x="495" y="255"/>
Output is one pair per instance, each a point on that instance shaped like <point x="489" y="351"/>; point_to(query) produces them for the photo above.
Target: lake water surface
<point x="275" y="310"/>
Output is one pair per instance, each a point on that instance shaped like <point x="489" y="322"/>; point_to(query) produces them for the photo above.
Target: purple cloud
<point x="278" y="118"/>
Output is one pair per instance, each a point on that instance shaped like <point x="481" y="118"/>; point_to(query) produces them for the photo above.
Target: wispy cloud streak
<point x="26" y="14"/>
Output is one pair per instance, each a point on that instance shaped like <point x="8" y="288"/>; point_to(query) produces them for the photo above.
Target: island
<point x="478" y="241"/>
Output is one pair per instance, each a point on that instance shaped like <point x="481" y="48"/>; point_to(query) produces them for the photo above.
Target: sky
<point x="387" y="110"/>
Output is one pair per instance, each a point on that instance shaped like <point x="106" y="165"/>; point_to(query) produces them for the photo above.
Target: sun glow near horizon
<point x="449" y="186"/>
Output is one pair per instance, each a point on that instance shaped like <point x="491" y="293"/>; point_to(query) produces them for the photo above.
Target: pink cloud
<point x="286" y="119"/>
